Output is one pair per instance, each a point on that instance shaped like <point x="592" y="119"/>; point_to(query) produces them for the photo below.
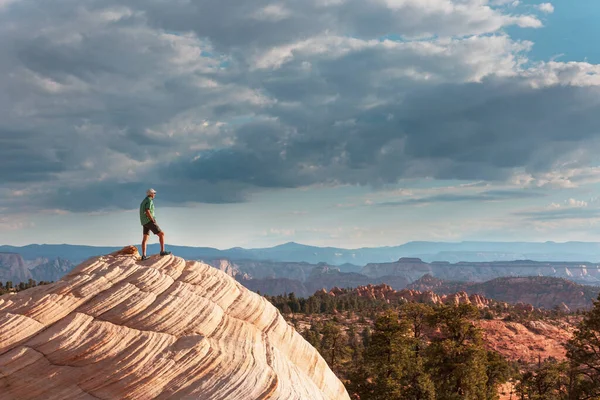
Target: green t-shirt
<point x="147" y="204"/>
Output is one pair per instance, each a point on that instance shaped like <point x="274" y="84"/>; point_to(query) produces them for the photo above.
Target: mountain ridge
<point x="574" y="251"/>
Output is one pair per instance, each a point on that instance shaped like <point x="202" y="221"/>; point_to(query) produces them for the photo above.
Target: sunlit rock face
<point x="119" y="328"/>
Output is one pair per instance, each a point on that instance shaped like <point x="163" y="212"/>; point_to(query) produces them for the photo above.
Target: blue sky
<point x="569" y="31"/>
<point x="276" y="121"/>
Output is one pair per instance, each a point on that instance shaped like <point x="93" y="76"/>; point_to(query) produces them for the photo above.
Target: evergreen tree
<point x="457" y="360"/>
<point x="498" y="371"/>
<point x="355" y="345"/>
<point x="366" y="336"/>
<point x="583" y="350"/>
<point x="417" y="382"/>
<point x="333" y="344"/>
<point x="385" y="359"/>
<point x="293" y="303"/>
<point x="417" y="315"/>
<point x="547" y="382"/>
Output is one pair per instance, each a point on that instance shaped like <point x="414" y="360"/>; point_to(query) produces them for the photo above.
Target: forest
<point x="416" y="351"/>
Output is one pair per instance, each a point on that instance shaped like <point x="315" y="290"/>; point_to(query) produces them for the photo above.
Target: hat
<point x="150" y="191"/>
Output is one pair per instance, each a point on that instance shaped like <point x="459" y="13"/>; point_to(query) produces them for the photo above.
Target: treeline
<point x="324" y="303"/>
<point x="9" y="287"/>
<point x="387" y="351"/>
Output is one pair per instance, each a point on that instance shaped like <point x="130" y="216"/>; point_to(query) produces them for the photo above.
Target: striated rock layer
<point x="118" y="328"/>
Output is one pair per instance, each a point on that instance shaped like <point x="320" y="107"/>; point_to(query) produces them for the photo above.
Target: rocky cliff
<point x="49" y="270"/>
<point x="16" y="269"/>
<point x="13" y="268"/>
<point x="116" y="327"/>
<point x="410" y="268"/>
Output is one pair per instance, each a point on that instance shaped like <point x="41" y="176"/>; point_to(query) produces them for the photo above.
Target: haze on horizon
<point x="326" y="122"/>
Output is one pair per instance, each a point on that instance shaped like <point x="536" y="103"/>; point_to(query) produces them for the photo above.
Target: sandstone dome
<point x="165" y="328"/>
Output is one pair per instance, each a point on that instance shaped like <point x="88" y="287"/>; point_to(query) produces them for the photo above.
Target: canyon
<point x="543" y="284"/>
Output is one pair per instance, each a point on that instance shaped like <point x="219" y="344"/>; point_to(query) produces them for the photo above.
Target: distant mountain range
<point x="295" y="252"/>
<point x="52" y="262"/>
<point x="304" y="269"/>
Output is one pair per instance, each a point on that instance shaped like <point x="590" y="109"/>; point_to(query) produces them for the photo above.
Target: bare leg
<point x="161" y="237"/>
<point x="144" y="241"/>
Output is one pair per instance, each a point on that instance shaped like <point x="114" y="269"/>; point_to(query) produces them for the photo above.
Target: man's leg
<point x="144" y="240"/>
<point x="161" y="238"/>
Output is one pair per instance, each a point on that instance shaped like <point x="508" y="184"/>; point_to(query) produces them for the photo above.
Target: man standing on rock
<point x="148" y="221"/>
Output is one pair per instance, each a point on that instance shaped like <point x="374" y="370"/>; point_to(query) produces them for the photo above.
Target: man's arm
<point x="149" y="215"/>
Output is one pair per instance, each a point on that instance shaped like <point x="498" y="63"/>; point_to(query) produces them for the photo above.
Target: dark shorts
<point x="151" y="226"/>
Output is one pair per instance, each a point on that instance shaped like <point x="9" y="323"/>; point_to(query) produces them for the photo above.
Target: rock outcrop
<point x="388" y="294"/>
<point x="116" y="327"/>
<point x="13" y="268"/>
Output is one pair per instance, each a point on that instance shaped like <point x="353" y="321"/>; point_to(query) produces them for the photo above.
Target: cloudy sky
<point x="328" y="122"/>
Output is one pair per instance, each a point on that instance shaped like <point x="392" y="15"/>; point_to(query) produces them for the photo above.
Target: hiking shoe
<point x="145" y="258"/>
<point x="165" y="253"/>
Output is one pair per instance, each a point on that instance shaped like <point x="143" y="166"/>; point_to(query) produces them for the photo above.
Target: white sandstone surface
<point x="165" y="328"/>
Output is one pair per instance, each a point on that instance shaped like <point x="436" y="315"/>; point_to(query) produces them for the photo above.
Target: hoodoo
<point x="116" y="327"/>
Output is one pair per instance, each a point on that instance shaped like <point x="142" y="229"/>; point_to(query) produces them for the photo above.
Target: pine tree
<point x="417" y="382"/>
<point x="583" y="350"/>
<point x="457" y="360"/>
<point x="355" y="345"/>
<point x="333" y="344"/>
<point x="498" y="371"/>
<point x="385" y="358"/>
<point x="547" y="382"/>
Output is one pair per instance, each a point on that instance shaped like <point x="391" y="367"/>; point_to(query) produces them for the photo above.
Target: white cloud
<point x="560" y="73"/>
<point x="576" y="203"/>
<point x="512" y="3"/>
<point x="547" y="8"/>
<point x="560" y="177"/>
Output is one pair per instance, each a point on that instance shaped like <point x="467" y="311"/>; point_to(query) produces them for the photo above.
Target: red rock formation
<point x="387" y="293"/>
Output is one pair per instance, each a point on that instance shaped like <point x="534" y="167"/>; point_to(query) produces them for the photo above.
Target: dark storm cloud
<point x="211" y="101"/>
<point x="110" y="196"/>
<point x="490" y="195"/>
<point x="484" y="137"/>
<point x="15" y="150"/>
